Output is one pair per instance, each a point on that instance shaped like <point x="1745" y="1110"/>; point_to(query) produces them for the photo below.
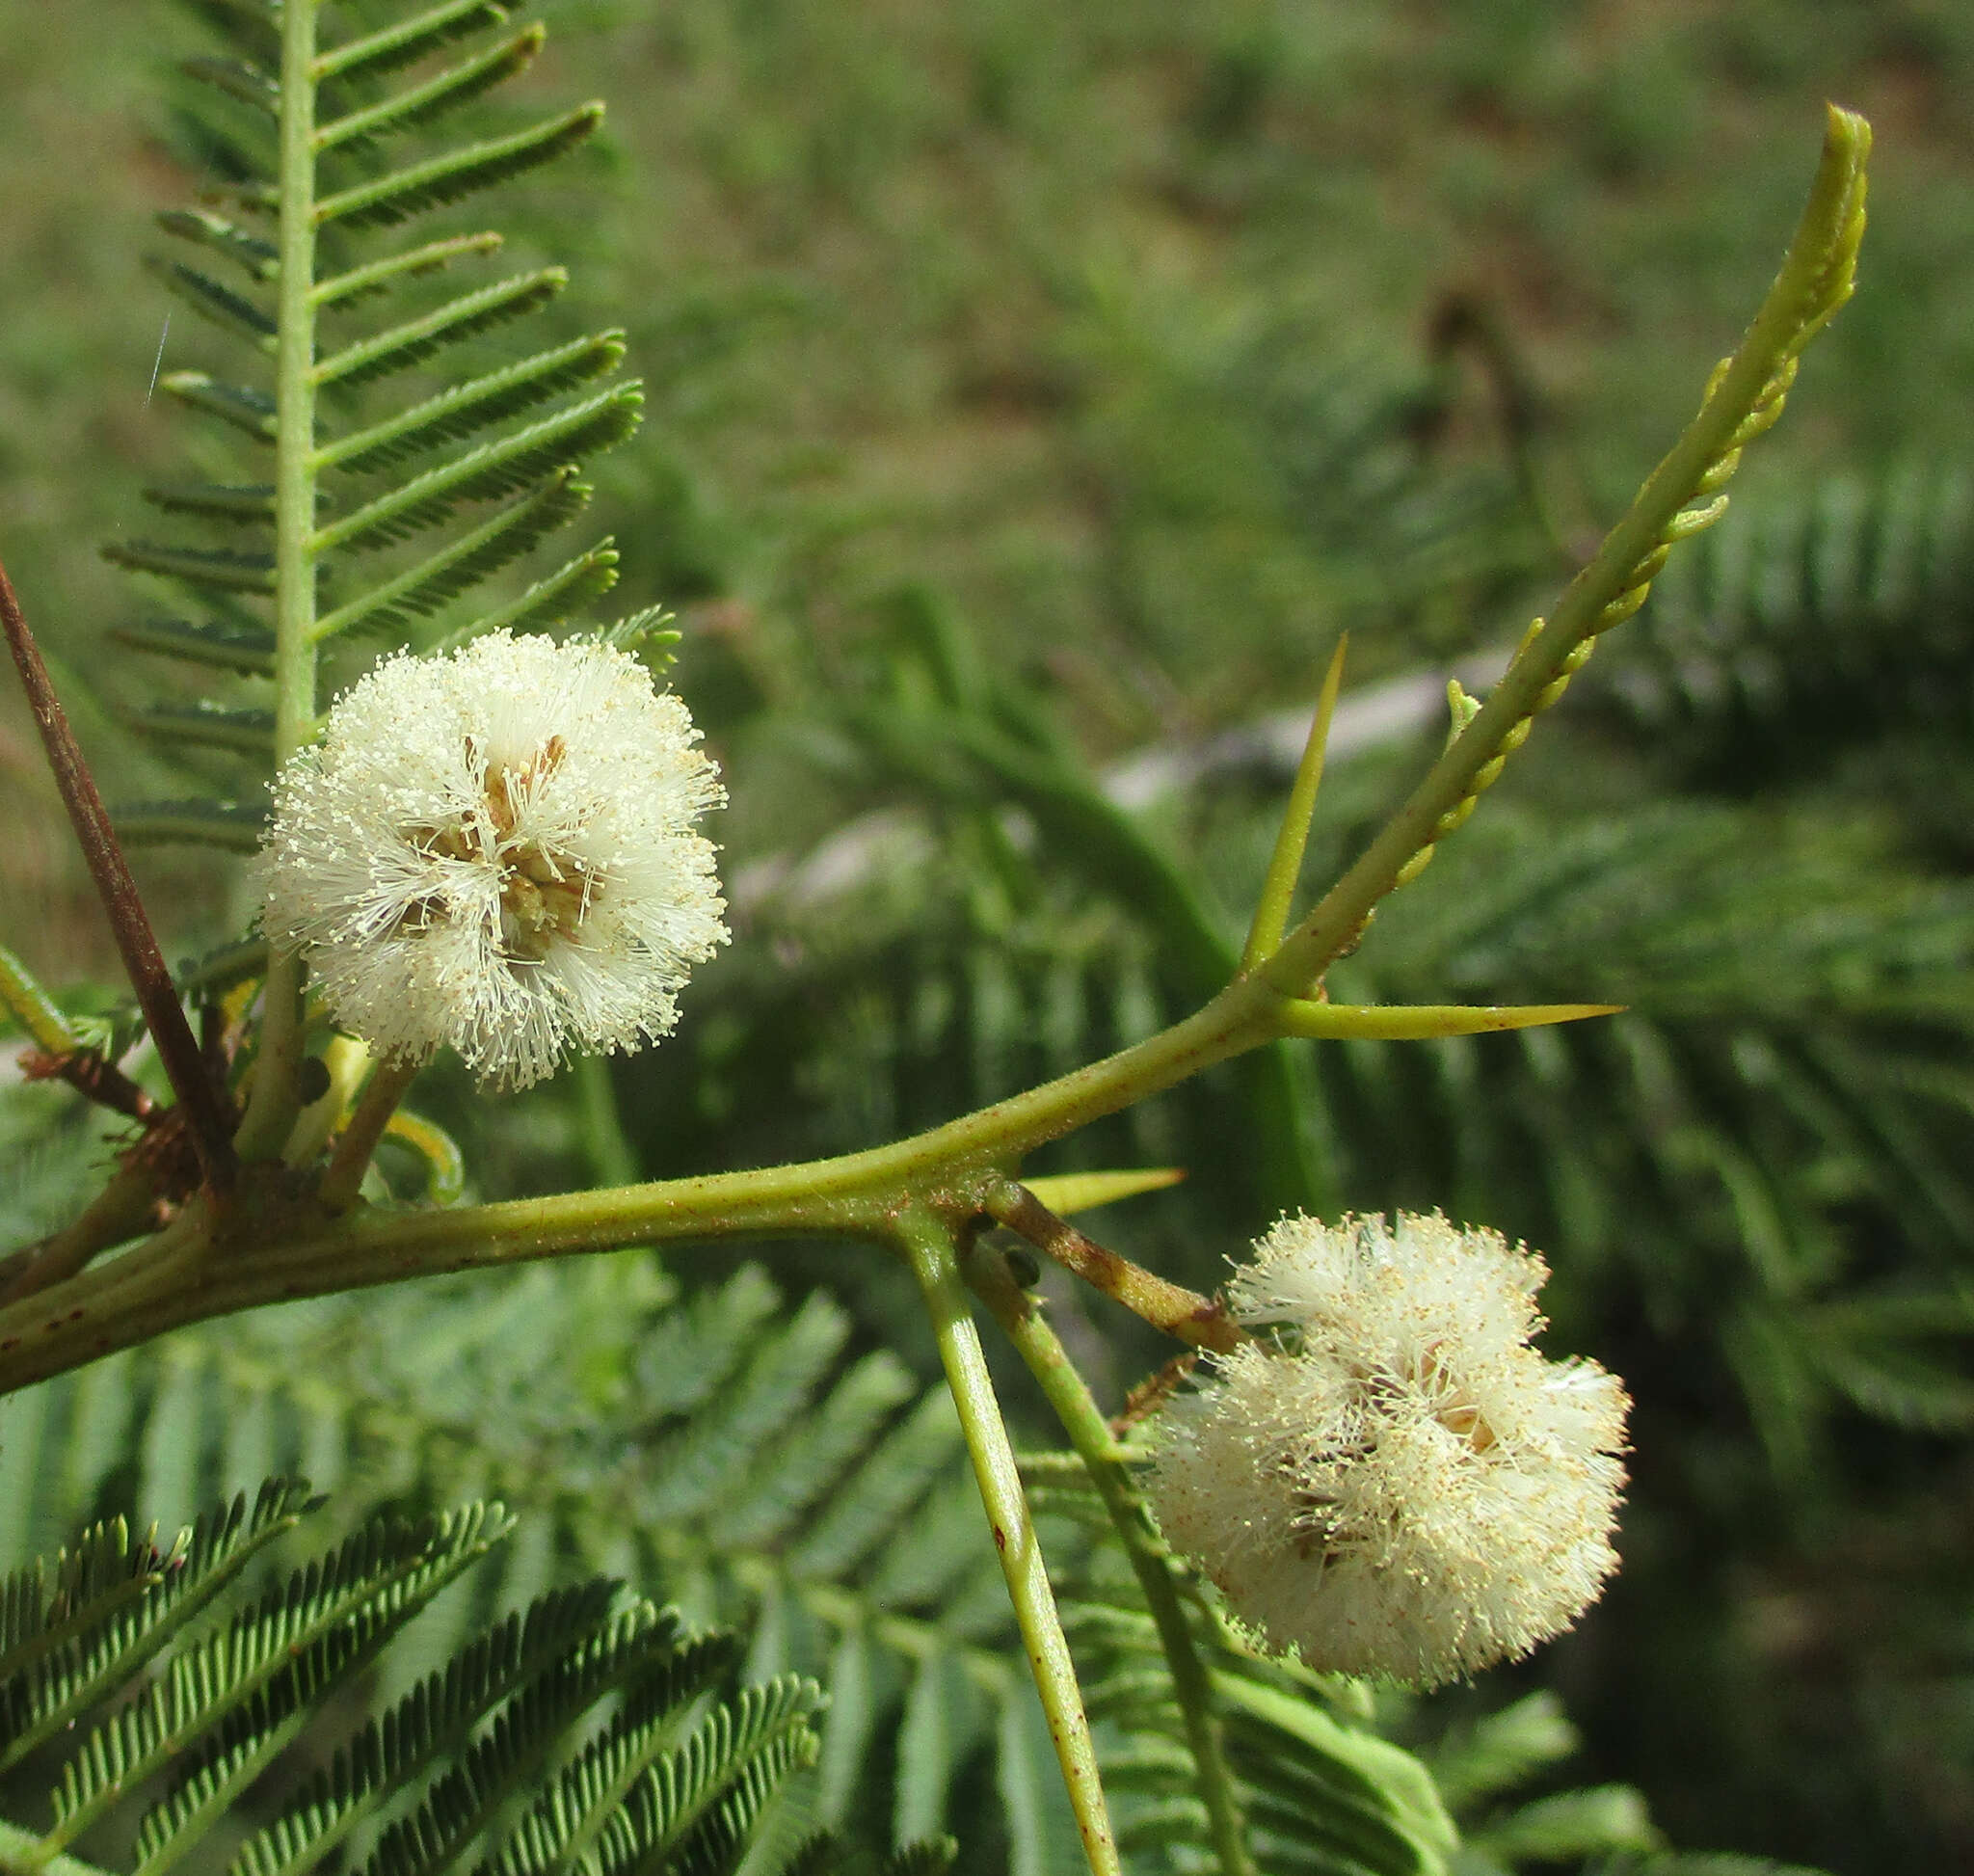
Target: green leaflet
<point x="408" y="39"/>
<point x="458" y="173"/>
<point x="225" y="647"/>
<point x="464" y="408"/>
<point x="245" y="732"/>
<point x="434" y="583"/>
<point x="448" y="91"/>
<point x="494" y="470"/>
<point x="414" y="341"/>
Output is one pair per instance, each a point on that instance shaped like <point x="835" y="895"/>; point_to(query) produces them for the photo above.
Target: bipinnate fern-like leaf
<point x="507" y="442"/>
<point x="51" y="1686"/>
<point x="547" y="1683"/>
<point x="629" y="1804"/>
<point x="677" y="1778"/>
<point x="560" y="1630"/>
<point x="247" y="1691"/>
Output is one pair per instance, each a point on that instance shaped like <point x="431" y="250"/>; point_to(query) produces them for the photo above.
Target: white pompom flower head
<point x="494" y="851"/>
<point x="1389" y="1479"/>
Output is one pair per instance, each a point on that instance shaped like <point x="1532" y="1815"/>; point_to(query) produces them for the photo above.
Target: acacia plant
<point x="488" y="843"/>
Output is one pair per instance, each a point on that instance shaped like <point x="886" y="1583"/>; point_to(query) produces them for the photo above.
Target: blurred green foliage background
<point x="1076" y="373"/>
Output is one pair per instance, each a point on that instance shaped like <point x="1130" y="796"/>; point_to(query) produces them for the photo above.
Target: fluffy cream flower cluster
<point x="1392" y="1480"/>
<point x="493" y="849"/>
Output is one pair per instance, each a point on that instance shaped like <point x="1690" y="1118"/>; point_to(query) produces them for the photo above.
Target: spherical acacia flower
<point x="1389" y="1477"/>
<point x="493" y="849"/>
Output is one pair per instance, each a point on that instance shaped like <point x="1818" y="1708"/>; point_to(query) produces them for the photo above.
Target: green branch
<point x="272" y="1244"/>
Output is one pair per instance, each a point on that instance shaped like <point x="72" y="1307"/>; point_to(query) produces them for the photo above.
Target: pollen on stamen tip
<point x="494" y="851"/>
<point x="1388" y="1479"/>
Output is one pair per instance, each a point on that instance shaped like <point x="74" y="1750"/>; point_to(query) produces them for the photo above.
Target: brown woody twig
<point x="200" y="1099"/>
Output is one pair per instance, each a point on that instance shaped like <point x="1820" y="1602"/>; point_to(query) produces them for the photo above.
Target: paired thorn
<point x="1285" y="864"/>
<point x="1084" y="1192"/>
<point x="201" y="1100"/>
<point x="1303" y="1016"/>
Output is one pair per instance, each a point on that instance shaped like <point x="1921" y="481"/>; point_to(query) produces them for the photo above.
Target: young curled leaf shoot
<point x="1744" y="397"/>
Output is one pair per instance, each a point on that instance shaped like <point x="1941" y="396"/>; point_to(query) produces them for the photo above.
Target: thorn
<point x="1285" y="864"/>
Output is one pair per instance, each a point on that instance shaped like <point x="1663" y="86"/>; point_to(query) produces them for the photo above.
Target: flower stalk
<point x="1169" y="1307"/>
<point x="929" y="1245"/>
<point x="1021" y="1316"/>
<point x="356" y="1146"/>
